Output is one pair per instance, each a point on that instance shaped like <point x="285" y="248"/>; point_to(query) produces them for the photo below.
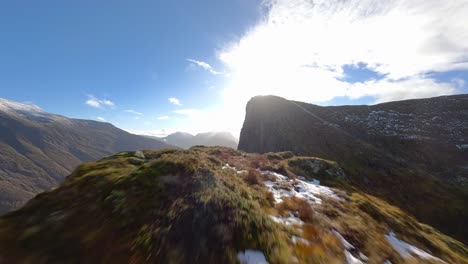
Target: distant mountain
<point x="186" y="140"/>
<point x="412" y="153"/>
<point x="38" y="149"/>
<point x="216" y="205"/>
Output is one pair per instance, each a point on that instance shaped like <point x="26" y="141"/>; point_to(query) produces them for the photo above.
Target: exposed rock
<point x="409" y="152"/>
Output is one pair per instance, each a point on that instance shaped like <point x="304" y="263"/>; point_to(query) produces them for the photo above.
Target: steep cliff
<point x="412" y="153"/>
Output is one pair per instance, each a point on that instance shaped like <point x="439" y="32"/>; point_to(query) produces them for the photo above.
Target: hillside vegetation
<point x="215" y="205"/>
<point x="38" y="149"/>
<point x="409" y="153"/>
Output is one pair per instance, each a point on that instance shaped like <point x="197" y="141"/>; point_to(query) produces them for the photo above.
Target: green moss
<point x="117" y="200"/>
<point x="180" y="206"/>
<point x="328" y="172"/>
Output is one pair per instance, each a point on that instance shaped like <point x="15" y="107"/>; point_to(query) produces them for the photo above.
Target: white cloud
<point x="385" y="91"/>
<point x="204" y="66"/>
<point x="102" y="119"/>
<point x="299" y="48"/>
<point x="98" y="103"/>
<point x="108" y="103"/>
<point x="93" y="103"/>
<point x="163" y="117"/>
<point x="133" y="112"/>
<point x="174" y="100"/>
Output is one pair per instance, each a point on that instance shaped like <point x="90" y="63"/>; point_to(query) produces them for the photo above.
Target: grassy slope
<point x="180" y="206"/>
<point x="423" y="174"/>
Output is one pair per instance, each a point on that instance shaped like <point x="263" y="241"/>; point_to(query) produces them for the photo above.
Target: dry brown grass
<point x="323" y="246"/>
<point x="259" y="161"/>
<point x="297" y="205"/>
<point x="235" y="207"/>
<point x="253" y="177"/>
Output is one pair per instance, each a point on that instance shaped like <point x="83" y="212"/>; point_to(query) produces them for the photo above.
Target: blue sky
<point x="121" y="61"/>
<point x="57" y="53"/>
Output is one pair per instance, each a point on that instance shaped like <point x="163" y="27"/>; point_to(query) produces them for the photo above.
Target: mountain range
<point x="413" y="153"/>
<point x="384" y="183"/>
<point x="187" y="140"/>
<point x="38" y="149"/>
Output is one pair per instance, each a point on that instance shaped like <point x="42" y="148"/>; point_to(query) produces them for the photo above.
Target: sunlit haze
<point x="156" y="68"/>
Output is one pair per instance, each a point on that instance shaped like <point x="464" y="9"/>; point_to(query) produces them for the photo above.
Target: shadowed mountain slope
<point x="412" y="153"/>
<point x="38" y="149"/>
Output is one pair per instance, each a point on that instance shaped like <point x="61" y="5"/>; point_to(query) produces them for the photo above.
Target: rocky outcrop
<point x="408" y="152"/>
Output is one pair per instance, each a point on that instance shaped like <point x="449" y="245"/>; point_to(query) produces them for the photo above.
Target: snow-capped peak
<point x="30" y="111"/>
<point x="10" y="106"/>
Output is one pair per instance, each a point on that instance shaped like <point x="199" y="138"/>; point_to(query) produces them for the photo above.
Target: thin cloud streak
<point x="204" y="66"/>
<point x="133" y="112"/>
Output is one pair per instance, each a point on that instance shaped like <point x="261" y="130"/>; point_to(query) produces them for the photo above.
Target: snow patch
<point x="277" y="175"/>
<point x="31" y="112"/>
<point x="407" y="250"/>
<point x="316" y="182"/>
<point x="250" y="256"/>
<point x="278" y="193"/>
<point x="343" y="241"/>
<point x="363" y="257"/>
<point x="301" y="188"/>
<point x="350" y="259"/>
<point x="296" y="239"/>
<point x="462" y="146"/>
<point x="7" y="105"/>
<point x="290" y="220"/>
<point x="227" y="166"/>
<point x="308" y="190"/>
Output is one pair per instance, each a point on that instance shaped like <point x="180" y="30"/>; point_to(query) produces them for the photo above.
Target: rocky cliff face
<point x="38" y="149"/>
<point x="412" y="153"/>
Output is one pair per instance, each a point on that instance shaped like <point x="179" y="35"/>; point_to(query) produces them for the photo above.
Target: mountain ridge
<point x="187" y="140"/>
<point x="39" y="149"/>
<point x="407" y="152"/>
<point x="216" y="205"/>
